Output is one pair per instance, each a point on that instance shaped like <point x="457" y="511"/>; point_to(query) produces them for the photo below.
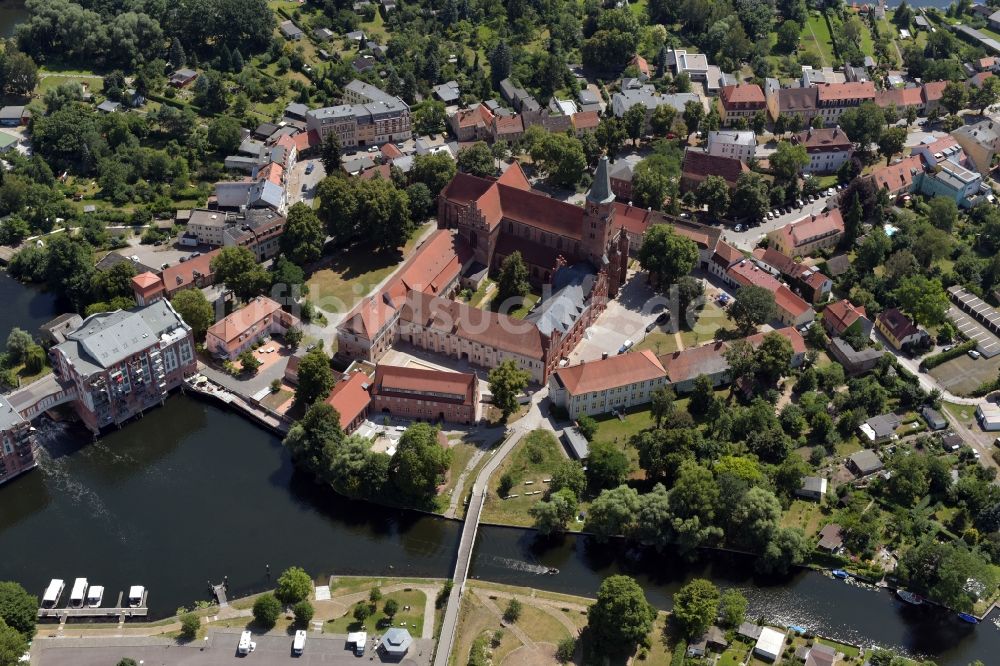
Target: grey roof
<point x="750" y="630"/>
<point x="211" y="218"/>
<point x="9" y="417"/>
<point x="289" y="29"/>
<point x="107" y="338"/>
<point x="648" y="97"/>
<point x="232" y="194"/>
<point x="838" y="265"/>
<point x="265" y="194"/>
<point x="734" y="137"/>
<point x="571" y="287"/>
<point x="358" y="164"/>
<point x="622" y="170"/>
<point x="396" y="641"/>
<point x="934" y="417"/>
<point x="588" y="97"/>
<point x="357" y="35"/>
<point x="251" y="147"/>
<point x="323" y="33"/>
<point x="108" y="106"/>
<point x="368" y="91"/>
<point x="184" y="72"/>
<point x="12" y="113"/>
<point x="600" y="190"/>
<point x="813" y="484"/>
<point x="884" y="425"/>
<point x="867" y="461"/>
<point x="447" y="92"/>
<point x="296" y="110"/>
<point x="112" y="259"/>
<point x="576" y="444"/>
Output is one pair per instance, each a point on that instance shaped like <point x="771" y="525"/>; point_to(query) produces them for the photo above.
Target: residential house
<point x="813" y="487"/>
<point x="880" y="428"/>
<point x="195" y="273"/>
<point x="863" y="463"/>
<point x="899" y="177"/>
<point x="585" y="121"/>
<point x="508" y="128"/>
<point x="324" y="34"/>
<point x="945" y="149"/>
<point x="735" y="144"/>
<point x="369" y="117"/>
<point x="621" y="179"/>
<point x="648" y="97"/>
<point x="695" y="65"/>
<point x="815" y="77"/>
<point x="611" y="384"/>
<point x="770" y="644"/>
<point x="953" y="181"/>
<point x="290" y="31"/>
<point x="741" y="101"/>
<point x="801" y="102"/>
<point x="810" y="234"/>
<point x="819" y="654"/>
<point x="827" y="149"/>
<point x="447" y="92"/>
<point x="699" y="165"/>
<point x="932" y="91"/>
<point x="18" y="453"/>
<point x="296" y="111"/>
<point x="183" y="77"/>
<point x="475" y="124"/>
<point x="237" y="332"/>
<point x="641" y="65"/>
<point x="832" y="99"/>
<point x="898" y="329"/>
<point x="363" y="63"/>
<point x="806" y="281"/>
<point x="791" y="310"/>
<point x="725" y="257"/>
<point x="714" y="639"/>
<point x="12" y="116"/>
<point x="902" y="99"/>
<point x="980" y="142"/>
<point x="518" y="97"/>
<point x="831" y="538"/>
<point x="844" y="318"/>
<point x="107" y="106"/>
<point x="424" y="394"/>
<point x="855" y="361"/>
<point x="935" y="421"/>
<point x="351" y="399"/>
<point x="588" y="100"/>
<point x="147" y="288"/>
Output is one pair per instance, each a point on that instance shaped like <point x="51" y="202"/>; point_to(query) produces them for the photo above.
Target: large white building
<point x="735" y="144"/>
<point x="613" y="383"/>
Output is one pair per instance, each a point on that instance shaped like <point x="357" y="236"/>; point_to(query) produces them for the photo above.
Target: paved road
<point x="530" y="422"/>
<point x="747" y="239"/>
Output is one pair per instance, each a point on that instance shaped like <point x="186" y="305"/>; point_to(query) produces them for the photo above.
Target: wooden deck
<point x="119" y="611"/>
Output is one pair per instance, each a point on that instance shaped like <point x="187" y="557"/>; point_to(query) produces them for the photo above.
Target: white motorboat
<point x="53" y="593"/>
<point x="95" y="596"/>
<point x="79" y="593"/>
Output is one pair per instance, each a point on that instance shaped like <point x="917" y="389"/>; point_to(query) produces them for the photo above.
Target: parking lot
<point x="155" y="256"/>
<point x="986" y="342"/>
<point x="625" y="318"/>
<point x="219" y="648"/>
<point x="300" y="178"/>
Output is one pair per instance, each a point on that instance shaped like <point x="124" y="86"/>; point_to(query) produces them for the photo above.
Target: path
<point x="346" y="601"/>
<point x="679" y="340"/>
<point x="456" y="493"/>
<point x="532" y="420"/>
<point x="488" y="603"/>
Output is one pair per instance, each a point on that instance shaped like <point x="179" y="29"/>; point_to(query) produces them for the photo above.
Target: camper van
<point x="246" y="645"/>
<point x="299" y="644"/>
<point x="53" y="592"/>
<point x="79" y="593"/>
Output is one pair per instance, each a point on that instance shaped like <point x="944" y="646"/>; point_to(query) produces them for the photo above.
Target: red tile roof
<point x="897" y="323"/>
<point x="977" y="80"/>
<point x="900" y="97"/>
<point x="508" y="125"/>
<point x="787" y="301"/>
<point x="746" y="94"/>
<point x="479" y="115"/>
<point x="726" y="255"/>
<point x="822" y="140"/>
<point x="748" y="273"/>
<point x="455" y="387"/>
<point x="609" y="373"/>
<point x="796" y="100"/>
<point x="350" y="398"/>
<point x="181" y="275"/>
<point x="899" y="176"/>
<point x="932" y="90"/>
<point x="304" y="140"/>
<point x="841" y="315"/>
<point x="793" y="335"/>
<point x="146" y="280"/>
<point x="843" y="92"/>
<point x="640" y="64"/>
<point x="807" y="229"/>
<point x="701" y="165"/>
<point x="383" y="171"/>
<point x="241" y="321"/>
<point x="776" y="260"/>
<point x="391" y="152"/>
<point x="586" y="120"/>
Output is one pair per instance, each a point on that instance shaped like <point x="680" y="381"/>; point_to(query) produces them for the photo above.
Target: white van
<point x="53" y="592"/>
<point x="246" y="645"/>
<point x="299" y="644"/>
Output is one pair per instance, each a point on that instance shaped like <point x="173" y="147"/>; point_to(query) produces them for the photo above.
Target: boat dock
<point x="116" y="611"/>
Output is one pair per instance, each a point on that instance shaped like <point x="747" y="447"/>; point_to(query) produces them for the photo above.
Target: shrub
<point x="954" y="352"/>
<point x="266" y="610"/>
<point x="304" y="612"/>
<point x="565" y="650"/>
<point x="189" y="626"/>
<point x="513" y="611"/>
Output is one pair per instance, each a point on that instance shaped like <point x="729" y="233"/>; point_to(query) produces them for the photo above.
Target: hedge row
<point x="954" y="352"/>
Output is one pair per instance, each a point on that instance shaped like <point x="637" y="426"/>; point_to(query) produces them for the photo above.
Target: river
<point x="12" y="12"/>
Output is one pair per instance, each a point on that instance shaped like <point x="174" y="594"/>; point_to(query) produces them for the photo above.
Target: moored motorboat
<point x="910" y="597"/>
<point x="552" y="571"/>
<point x="79" y="593"/>
<point x="840" y="573"/>
<point x="971" y="619"/>
<point x="136" y="596"/>
<point x="95" y="595"/>
<point x="53" y="592"/>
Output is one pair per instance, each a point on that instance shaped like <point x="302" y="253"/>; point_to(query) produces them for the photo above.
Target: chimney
<point x="604" y="356"/>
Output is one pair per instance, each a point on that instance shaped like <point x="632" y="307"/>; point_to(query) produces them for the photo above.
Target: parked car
<point x="625" y="346"/>
<point x="309" y="168"/>
<point x="739" y="228"/>
<point x="974" y="354"/>
<point x="947" y="348"/>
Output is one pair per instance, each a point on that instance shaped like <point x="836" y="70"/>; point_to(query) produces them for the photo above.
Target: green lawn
<point x="275" y="400"/>
<point x="532" y="461"/>
<point x="711" y="318"/>
<point x="377" y="622"/>
<point x="816" y="38"/>
<point x="612" y="429"/>
<point x="353" y="273"/>
<point x="964" y="413"/>
<point x="803" y="514"/>
<point x="461" y="454"/>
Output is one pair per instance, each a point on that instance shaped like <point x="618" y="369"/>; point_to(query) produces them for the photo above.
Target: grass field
<point x="414" y="618"/>
<point x="803" y="514"/>
<point x="533" y="460"/>
<point x="711" y="318"/>
<point x="461" y="454"/>
<point x="353" y="273"/>
<point x="816" y="38"/>
<point x="964" y="413"/>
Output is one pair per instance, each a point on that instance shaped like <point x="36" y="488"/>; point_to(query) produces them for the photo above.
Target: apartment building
<point x="832" y="99"/>
<point x="17" y="449"/>
<point x="429" y="395"/>
<point x="121" y="363"/>
<point x="805" y="236"/>
<point x="741" y="101"/>
<point x="827" y="149"/>
<point x="734" y="144"/>
<point x="368" y="117"/>
<point x="262" y="317"/>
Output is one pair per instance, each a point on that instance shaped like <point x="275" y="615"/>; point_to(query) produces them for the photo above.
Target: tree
<point x="943" y="213"/>
<point x="561" y="158"/>
<point x="420" y="462"/>
<point x="954" y="97"/>
<point x="303" y="612"/>
<point x="587" y="426"/>
<point x="293" y="337"/>
<point x="714" y="193"/>
<point x="788" y="36"/>
<point x="663" y="119"/>
<point x="774" y="357"/>
<point x="754" y="520"/>
<point x="552" y="515"/>
<point x="237" y="268"/>
<point x="788" y="548"/>
<point x="249" y="362"/>
<point x="788" y="161"/>
<point x="194" y="309"/>
<point x="315" y="377"/>
<point x="751" y="198"/>
<point x="224" y="134"/>
<point x="477" y="160"/>
<point x="390" y="608"/>
<point x="176" y="56"/>
<point x="607" y="465"/>
<point x="361" y="612"/>
<point x="19" y="341"/>
<point x="266" y="610"/>
<point x="13" y="645"/>
<point x="374" y="595"/>
<point x="661" y="405"/>
<point x="985" y="95"/>
<point x="565" y="650"/>
<point x="892" y="141"/>
<point x="922" y="298"/>
<point x="127" y="661"/>
<point x="512" y="285"/>
<point x="621" y="617"/>
<point x="702" y="396"/>
<point x="753" y="306"/>
<point x="330" y="154"/>
<point x="667" y="255"/>
<point x="732" y="608"/>
<point x="304" y="236"/>
<point x="864" y="125"/>
<point x="382" y="210"/>
<point x="18" y="608"/>
<point x="695" y="607"/>
<point x="20" y="74"/>
<point x="294" y="585"/>
<point x="613" y="513"/>
<point x="506" y="382"/>
<point x="512" y="612"/>
<point x="570" y="475"/>
<point x="434" y="170"/>
<point x="651" y="187"/>
<point x="190" y="623"/>
<point x="610" y="135"/>
<point x="694" y="113"/>
<point x="501" y="58"/>
<point x="421" y="201"/>
<point x="634" y="120"/>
